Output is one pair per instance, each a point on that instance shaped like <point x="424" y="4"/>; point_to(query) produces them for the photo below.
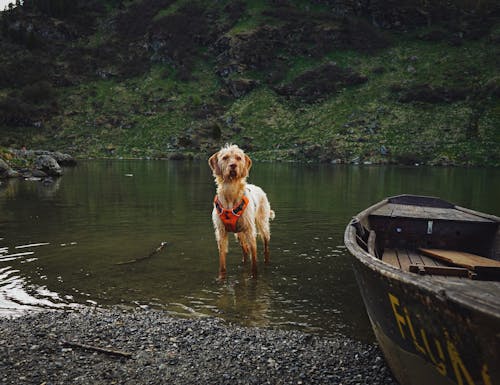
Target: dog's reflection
<point x="247" y="300"/>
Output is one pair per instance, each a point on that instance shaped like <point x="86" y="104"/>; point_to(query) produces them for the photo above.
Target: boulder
<point x="61" y="158"/>
<point x="6" y="171"/>
<point x="48" y="165"/>
<point x="64" y="159"/>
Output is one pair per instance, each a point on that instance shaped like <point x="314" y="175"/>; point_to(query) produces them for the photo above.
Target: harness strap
<point x="229" y="217"/>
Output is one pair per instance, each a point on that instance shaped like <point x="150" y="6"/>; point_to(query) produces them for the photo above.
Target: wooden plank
<point x="430" y="213"/>
<point x="440" y="270"/>
<point x="415" y="257"/>
<point x="420" y="200"/>
<point x="460" y="258"/>
<point x="428" y="261"/>
<point x="371" y="243"/>
<point x="431" y="261"/>
<point x="391" y="258"/>
<point x="404" y="259"/>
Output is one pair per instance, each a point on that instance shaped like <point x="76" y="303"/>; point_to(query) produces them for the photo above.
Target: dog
<point x="239" y="207"/>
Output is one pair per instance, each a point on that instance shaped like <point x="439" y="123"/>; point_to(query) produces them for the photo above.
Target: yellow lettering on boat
<point x="400" y="320"/>
<point x="457" y="363"/>
<point x="486" y="375"/>
<point x="412" y="332"/>
<point x="444" y="354"/>
<point x="440" y="366"/>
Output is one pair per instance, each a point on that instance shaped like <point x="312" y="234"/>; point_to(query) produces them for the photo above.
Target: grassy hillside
<point x="285" y="80"/>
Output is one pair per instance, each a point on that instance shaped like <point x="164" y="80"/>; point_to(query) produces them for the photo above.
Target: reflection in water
<point x="63" y="243"/>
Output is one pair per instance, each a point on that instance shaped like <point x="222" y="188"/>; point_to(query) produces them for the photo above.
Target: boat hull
<point x="428" y="338"/>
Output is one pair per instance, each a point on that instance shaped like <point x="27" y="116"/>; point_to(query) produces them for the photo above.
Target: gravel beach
<point x="149" y="347"/>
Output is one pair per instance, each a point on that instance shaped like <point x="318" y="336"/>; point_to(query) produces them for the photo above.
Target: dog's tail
<point x="272" y="215"/>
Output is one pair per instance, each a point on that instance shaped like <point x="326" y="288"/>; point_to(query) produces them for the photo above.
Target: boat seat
<point x="443" y="263"/>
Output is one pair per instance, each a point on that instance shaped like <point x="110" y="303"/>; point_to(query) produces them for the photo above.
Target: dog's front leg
<point x="222" y="243"/>
<point x="250" y="241"/>
<point x="244" y="247"/>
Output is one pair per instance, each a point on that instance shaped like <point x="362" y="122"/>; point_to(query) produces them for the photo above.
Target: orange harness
<point x="230" y="216"/>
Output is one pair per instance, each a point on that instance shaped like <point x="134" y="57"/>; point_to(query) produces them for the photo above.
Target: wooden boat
<point x="429" y="275"/>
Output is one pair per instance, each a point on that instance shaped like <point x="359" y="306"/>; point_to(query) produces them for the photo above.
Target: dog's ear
<point x="248" y="163"/>
<point x="214" y="165"/>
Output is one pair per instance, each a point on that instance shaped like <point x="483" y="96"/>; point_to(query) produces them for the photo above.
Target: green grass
<point x="173" y="8"/>
<point x="252" y="18"/>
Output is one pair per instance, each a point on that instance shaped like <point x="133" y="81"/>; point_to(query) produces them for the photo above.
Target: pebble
<point x="205" y="351"/>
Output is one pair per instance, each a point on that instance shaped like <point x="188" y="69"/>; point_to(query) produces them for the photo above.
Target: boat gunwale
<point x="428" y="283"/>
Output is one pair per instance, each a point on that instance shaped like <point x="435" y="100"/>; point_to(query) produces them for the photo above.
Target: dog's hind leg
<point x="265" y="240"/>
<point x="250" y="241"/>
<point x="263" y="228"/>
<point x="253" y="251"/>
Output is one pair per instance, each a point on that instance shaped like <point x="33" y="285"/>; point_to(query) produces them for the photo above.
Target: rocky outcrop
<point x="320" y="82"/>
<point x="204" y="137"/>
<point x="427" y="93"/>
<point x="6" y="171"/>
<point x="264" y="46"/>
<point x="34" y="163"/>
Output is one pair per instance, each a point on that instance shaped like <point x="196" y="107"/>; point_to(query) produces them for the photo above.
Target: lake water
<point x="61" y="245"/>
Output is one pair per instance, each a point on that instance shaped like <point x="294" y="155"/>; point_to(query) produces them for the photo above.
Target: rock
<point x="254" y="49"/>
<point x="241" y="87"/>
<point x="38" y="174"/>
<point x="6" y="171"/>
<point x="64" y="159"/>
<point x="48" y="165"/>
<point x="204" y="351"/>
<point x="61" y="158"/>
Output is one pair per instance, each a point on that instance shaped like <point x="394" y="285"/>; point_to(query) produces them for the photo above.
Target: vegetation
<point x="286" y="80"/>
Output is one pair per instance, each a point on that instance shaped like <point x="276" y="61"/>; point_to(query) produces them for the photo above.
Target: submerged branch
<point x="155" y="251"/>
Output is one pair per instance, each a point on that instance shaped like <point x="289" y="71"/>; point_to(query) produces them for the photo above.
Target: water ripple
<point x="17" y="295"/>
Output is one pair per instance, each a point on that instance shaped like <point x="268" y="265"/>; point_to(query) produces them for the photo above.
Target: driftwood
<point x="98" y="349"/>
<point x="155" y="251"/>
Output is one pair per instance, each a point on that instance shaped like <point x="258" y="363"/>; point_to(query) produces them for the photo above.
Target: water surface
<point x="61" y="245"/>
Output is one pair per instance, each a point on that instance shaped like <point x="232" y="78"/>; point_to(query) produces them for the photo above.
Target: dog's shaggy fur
<point x="230" y="167"/>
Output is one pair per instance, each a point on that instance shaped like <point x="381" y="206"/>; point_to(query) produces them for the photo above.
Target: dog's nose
<point x="233" y="166"/>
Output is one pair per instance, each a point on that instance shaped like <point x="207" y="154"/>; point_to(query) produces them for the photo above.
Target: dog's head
<point x="230" y="163"/>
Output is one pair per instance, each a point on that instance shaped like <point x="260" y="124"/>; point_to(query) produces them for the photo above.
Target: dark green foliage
<point x="54" y="8"/>
<point x="38" y="92"/>
<point x="22" y="69"/>
<point x="14" y="112"/>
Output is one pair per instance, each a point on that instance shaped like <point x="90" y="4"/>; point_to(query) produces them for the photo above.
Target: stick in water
<point x="155" y="251"/>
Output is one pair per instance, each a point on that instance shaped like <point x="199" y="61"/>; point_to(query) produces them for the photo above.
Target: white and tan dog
<point x="239" y="207"/>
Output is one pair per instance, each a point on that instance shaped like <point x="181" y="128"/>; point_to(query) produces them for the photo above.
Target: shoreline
<point x="11" y="156"/>
<point x="150" y="347"/>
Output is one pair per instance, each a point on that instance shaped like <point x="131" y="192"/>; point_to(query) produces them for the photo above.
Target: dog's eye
<point x="225" y="157"/>
<point x="238" y="158"/>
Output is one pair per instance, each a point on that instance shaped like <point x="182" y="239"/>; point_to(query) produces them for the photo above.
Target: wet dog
<point x="239" y="207"/>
